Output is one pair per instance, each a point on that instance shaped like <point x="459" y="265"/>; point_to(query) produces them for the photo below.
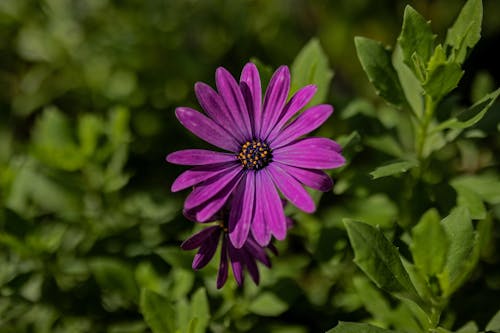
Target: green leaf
<point x="200" y="310"/>
<point x="442" y="75"/>
<point x="430" y="244"/>
<point x="89" y="129"/>
<point x="417" y="41"/>
<point x="158" y="312"/>
<point x="409" y="82"/>
<point x="54" y="143"/>
<point x="471" y="200"/>
<point x="386" y="144"/>
<point x="472" y="115"/>
<point x="470" y="327"/>
<point x="487" y="186"/>
<point x="463" y="250"/>
<point x="380" y="260"/>
<point x="268" y="304"/>
<point x="494" y="323"/>
<point x="466" y="31"/>
<point x="346" y="327"/>
<point x="114" y="275"/>
<point x="394" y="168"/>
<point x="311" y="67"/>
<point x="376" y="62"/>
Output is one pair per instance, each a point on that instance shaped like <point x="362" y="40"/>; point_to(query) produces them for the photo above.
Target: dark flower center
<point x="255" y="155"/>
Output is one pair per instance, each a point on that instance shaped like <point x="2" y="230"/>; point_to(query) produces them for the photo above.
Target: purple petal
<point x="199" y="157"/>
<point x="311" y="153"/>
<point x="206" y="251"/>
<point x="242" y="210"/>
<point x="315" y="179"/>
<point x="251" y="265"/>
<point x="190" y="214"/>
<point x="223" y="267"/>
<point x="231" y="94"/>
<point x="236" y="263"/>
<point x="291" y="188"/>
<point x="274" y="100"/>
<point x="260" y="226"/>
<point x="307" y="122"/>
<point x="297" y="102"/>
<point x="198" y="174"/>
<point x="214" y="106"/>
<point x="198" y="238"/>
<point x="206" y="129"/>
<point x="273" y="208"/>
<point x="208" y="189"/>
<point x="206" y="212"/>
<point x="273" y="248"/>
<point x="257" y="252"/>
<point x="252" y="93"/>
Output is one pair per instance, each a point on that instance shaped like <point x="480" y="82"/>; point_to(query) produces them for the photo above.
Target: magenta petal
<point x="206" y="212"/>
<point x="297" y="102"/>
<point x="260" y="226"/>
<point x="315" y="179"/>
<point x="242" y="210"/>
<point x="236" y="263"/>
<point x="274" y="99"/>
<point x="214" y="106"/>
<point x="307" y="122"/>
<point x="198" y="238"/>
<point x="206" y="251"/>
<point x="206" y="129"/>
<point x="291" y="188"/>
<point x="208" y="189"/>
<point x="252" y="93"/>
<point x="198" y="174"/>
<point x="273" y="208"/>
<point x="257" y="252"/>
<point x="251" y="265"/>
<point x="311" y="153"/>
<point x="231" y="94"/>
<point x="223" y="267"/>
<point x="199" y="157"/>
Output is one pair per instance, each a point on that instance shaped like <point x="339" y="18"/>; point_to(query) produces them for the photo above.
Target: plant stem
<point x="430" y="106"/>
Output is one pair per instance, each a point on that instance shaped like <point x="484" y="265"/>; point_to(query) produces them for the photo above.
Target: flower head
<point x="264" y="153"/>
<point x="246" y="257"/>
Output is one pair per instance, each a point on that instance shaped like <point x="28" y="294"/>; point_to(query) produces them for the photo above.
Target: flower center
<point x="255" y="155"/>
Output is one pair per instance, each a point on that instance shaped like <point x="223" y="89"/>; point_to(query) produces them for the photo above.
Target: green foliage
<point x="311" y="67"/>
<point x="90" y="233"/>
<point x="376" y="61"/>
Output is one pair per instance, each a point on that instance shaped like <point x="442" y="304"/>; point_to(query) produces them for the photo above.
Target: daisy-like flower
<point x="246" y="257"/>
<point x="264" y="153"/>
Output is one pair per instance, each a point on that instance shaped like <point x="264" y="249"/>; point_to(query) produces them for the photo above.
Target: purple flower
<point x="265" y="152"/>
<point x="247" y="256"/>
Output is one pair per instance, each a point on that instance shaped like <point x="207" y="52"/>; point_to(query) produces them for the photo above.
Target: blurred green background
<point x="88" y="90"/>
